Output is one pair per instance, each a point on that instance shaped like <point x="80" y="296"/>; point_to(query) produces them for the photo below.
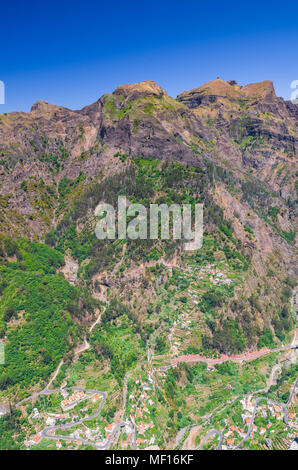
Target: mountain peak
<point x="136" y="90"/>
<point x="43" y="107"/>
<point x="228" y="90"/>
<point x="216" y="87"/>
<point x="259" y="90"/>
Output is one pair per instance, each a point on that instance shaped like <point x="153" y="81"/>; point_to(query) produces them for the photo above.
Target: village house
<point x="35" y="414"/>
<point x="64" y="393"/>
<point x="246" y="418"/>
<point x="33" y="441"/>
<point x="96" y="397"/>
<point x="142" y="427"/>
<point x="50" y="421"/>
<point x="72" y="400"/>
<point x="141" y="441"/>
<point x="109" y="428"/>
<point x="247" y="405"/>
<point x="294" y="445"/>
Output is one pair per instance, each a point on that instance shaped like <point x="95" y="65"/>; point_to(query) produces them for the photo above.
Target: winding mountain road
<point x="213" y="432"/>
<point x="281" y="405"/>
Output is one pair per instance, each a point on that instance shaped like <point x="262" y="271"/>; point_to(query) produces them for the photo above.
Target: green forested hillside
<point x="40" y="314"/>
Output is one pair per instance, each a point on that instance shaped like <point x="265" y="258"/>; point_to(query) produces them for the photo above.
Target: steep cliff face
<point x="263" y="126"/>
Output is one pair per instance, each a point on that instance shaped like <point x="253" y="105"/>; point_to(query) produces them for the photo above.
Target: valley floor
<point x="132" y="426"/>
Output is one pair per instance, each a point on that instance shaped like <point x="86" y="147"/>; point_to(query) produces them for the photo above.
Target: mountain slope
<point x="231" y="147"/>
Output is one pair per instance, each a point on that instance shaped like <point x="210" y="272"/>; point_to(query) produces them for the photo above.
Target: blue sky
<point x="72" y="52"/>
